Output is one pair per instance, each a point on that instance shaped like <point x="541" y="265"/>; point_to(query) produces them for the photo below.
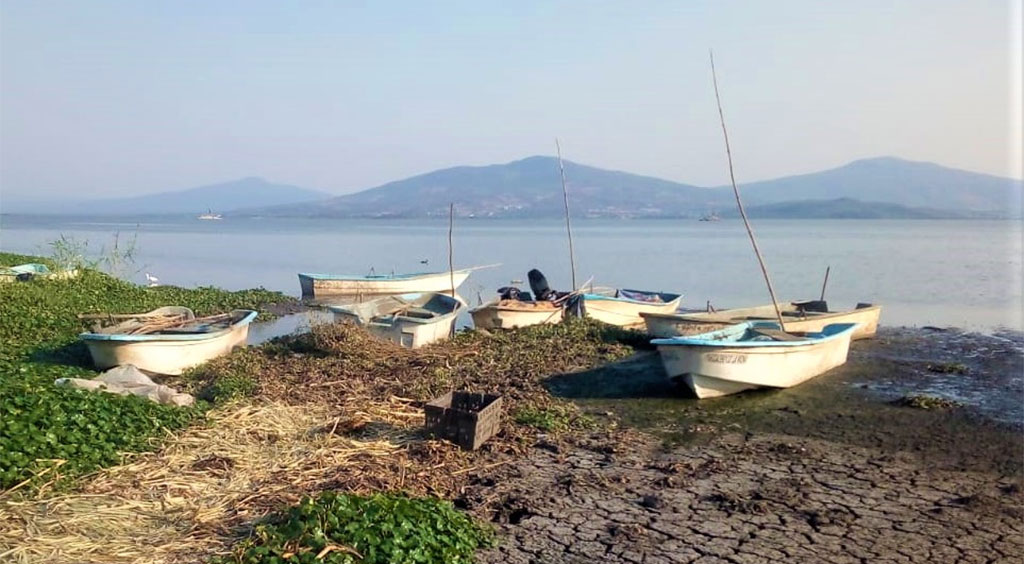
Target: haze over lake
<point x="943" y="273"/>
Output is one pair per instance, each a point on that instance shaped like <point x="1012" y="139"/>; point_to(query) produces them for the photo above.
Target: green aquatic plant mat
<point x="45" y="430"/>
<point x="381" y="529"/>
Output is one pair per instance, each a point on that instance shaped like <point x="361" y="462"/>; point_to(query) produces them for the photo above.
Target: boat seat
<point x="778" y="335"/>
<point x="205" y="328"/>
<point x="418" y="312"/>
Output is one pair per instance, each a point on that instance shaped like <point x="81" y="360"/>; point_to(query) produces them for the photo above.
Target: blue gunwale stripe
<point x="155" y="338"/>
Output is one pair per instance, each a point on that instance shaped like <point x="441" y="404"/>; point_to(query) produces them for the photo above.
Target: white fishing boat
<point x="321" y="285"/>
<point x="411" y="320"/>
<point x="512" y="314"/>
<point x="809" y="316"/>
<point x="167" y="340"/>
<point x="623" y="307"/>
<point x="752" y="355"/>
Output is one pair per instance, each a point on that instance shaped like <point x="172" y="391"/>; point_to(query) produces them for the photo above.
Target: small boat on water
<point x="807" y="316"/>
<point x="209" y="215"/>
<point x="33" y="270"/>
<point x="321" y="285"/>
<point x="623" y="307"/>
<point x="753" y="355"/>
<point x="411" y="320"/>
<point x="167" y="340"/>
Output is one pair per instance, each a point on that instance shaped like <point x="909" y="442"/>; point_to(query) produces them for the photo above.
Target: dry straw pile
<point x="208" y="485"/>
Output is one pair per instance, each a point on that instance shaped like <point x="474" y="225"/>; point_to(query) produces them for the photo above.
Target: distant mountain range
<point x="226" y="196"/>
<point x="884" y="187"/>
<point x="848" y="208"/>
<point x="872" y="188"/>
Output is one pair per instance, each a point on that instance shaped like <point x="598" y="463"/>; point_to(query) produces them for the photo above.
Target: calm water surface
<point x="959" y="273"/>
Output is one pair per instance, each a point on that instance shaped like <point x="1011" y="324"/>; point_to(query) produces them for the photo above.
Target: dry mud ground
<point x="832" y="471"/>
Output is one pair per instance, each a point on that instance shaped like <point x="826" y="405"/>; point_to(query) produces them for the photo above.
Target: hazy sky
<point x="113" y="98"/>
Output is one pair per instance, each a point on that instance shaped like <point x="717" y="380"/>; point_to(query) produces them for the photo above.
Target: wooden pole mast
<point x="451" y="262"/>
<point x="568" y="227"/>
<point x="739" y="203"/>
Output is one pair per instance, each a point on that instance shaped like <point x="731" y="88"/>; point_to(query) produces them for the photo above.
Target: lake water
<point x="943" y="273"/>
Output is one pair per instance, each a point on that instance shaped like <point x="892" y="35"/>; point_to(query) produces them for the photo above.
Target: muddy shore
<point x="836" y="470"/>
<point x="839" y="469"/>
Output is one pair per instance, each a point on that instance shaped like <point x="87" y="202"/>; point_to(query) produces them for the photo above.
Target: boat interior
<point x="634" y="295"/>
<point x="423" y="306"/>
<point x="164" y="321"/>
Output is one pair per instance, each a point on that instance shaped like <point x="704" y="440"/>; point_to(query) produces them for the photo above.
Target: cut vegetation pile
<point x="343" y="365"/>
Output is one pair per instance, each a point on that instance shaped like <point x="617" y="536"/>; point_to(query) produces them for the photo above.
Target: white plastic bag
<point x="127" y="379"/>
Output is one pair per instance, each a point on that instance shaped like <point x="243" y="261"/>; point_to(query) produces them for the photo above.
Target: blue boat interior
<point x="638" y="296"/>
<point x="369" y="277"/>
<point x="758" y="334"/>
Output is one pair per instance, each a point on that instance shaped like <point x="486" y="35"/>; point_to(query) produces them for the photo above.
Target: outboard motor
<point x="513" y="293"/>
<point x="539" y="285"/>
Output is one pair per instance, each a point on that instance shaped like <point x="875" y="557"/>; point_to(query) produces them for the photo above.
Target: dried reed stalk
<point x="205" y="489"/>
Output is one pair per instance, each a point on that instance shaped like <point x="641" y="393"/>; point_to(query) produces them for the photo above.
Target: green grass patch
<point x="44" y="426"/>
<point x="550" y="419"/>
<point x="380" y="529"/>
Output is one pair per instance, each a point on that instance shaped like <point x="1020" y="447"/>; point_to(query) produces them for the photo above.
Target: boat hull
<point x="625" y="313"/>
<point x="165" y="356"/>
<point x="33" y="271"/>
<point x="684" y="324"/>
<point x="494" y="315"/>
<point x="718" y="370"/>
<point x="409" y="332"/>
<point x="317" y="286"/>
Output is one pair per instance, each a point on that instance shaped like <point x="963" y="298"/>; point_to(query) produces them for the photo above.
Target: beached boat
<point x="33" y="270"/>
<point x="320" y="285"/>
<point x="623" y="307"/>
<point x="411" y="320"/>
<point x="167" y="340"/>
<point x="511" y="314"/>
<point x="752" y="355"/>
<point x="809" y="316"/>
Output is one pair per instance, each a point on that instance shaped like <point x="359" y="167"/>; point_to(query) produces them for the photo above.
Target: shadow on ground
<point x="843" y="406"/>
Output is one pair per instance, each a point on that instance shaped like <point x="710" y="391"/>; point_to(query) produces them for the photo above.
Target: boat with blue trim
<point x="167" y="340"/>
<point x="752" y="355"/>
<point x="320" y="285"/>
<point x="622" y="307"/>
<point x="410" y="320"/>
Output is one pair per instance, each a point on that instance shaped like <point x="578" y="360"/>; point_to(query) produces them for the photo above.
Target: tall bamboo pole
<point x="739" y="203"/>
<point x="568" y="227"/>
<point x="451" y="262"/>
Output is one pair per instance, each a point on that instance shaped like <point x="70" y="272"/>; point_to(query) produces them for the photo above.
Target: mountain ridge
<point x="531" y="188"/>
<point x="219" y="197"/>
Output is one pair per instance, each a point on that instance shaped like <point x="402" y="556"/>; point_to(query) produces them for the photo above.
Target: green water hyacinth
<point x="46" y="430"/>
<point x="380" y="529"/>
